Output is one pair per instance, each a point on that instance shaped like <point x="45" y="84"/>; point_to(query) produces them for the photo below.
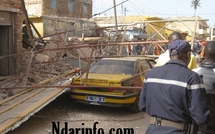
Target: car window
<point x="113" y="67"/>
<point x="145" y="66"/>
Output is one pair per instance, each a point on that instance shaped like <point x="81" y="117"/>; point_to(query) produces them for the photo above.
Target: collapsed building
<point x="42" y="39"/>
<point x="23" y="61"/>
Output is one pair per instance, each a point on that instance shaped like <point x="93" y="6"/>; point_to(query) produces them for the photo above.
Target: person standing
<point x="164" y="57"/>
<point x="207" y="71"/>
<point x="174" y="95"/>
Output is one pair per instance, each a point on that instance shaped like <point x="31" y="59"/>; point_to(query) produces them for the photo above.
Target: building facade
<point x="60" y="8"/>
<point x="186" y="25"/>
<point x="51" y="16"/>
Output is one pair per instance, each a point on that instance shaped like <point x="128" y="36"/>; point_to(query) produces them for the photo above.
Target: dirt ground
<point x="66" y="113"/>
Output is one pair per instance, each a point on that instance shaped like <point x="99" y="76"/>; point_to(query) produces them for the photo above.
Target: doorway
<point x="6" y="63"/>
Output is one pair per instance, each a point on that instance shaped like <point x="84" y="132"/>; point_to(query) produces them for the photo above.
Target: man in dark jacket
<point x="173" y="95"/>
<point x="207" y="71"/>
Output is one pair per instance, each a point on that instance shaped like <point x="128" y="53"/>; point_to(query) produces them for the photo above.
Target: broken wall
<point x="54" y="25"/>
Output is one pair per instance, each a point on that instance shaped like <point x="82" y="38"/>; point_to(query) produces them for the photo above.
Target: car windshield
<point x="113" y="67"/>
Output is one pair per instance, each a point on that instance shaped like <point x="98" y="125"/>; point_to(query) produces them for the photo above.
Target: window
<point x="106" y="66"/>
<point x="53" y="4"/>
<point x="85" y="7"/>
<point x="70" y="5"/>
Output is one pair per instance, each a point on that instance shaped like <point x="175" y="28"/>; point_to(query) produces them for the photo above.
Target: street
<point x="63" y="116"/>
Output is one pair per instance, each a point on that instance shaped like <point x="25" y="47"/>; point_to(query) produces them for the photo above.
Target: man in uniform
<point x="164" y="58"/>
<point x="173" y="95"/>
<point x="207" y="71"/>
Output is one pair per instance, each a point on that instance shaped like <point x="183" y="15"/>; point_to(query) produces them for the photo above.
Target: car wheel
<point x="135" y="107"/>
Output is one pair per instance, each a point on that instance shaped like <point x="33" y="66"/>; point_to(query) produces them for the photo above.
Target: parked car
<point x="113" y="82"/>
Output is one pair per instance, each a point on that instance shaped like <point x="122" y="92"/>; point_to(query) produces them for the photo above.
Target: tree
<point x="194" y="4"/>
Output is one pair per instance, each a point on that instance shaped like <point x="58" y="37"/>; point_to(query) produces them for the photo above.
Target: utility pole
<point x="122" y="7"/>
<point x="195" y="4"/>
<point x="115" y="15"/>
<point x="194" y="32"/>
<point x="125" y="10"/>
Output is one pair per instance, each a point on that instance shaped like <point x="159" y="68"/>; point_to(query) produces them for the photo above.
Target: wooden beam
<point x="94" y="45"/>
<point x="174" y="20"/>
<point x="40" y="37"/>
<point x="27" y="23"/>
<point x="88" y="66"/>
<point x="159" y="30"/>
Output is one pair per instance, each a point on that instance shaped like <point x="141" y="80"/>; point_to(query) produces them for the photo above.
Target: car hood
<point x="102" y="79"/>
<point x="111" y="77"/>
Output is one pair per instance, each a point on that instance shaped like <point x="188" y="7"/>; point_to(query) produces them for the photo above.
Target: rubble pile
<point x="47" y="64"/>
<point x="43" y="65"/>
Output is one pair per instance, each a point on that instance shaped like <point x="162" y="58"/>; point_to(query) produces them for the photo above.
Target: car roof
<point x="129" y="58"/>
<point x="119" y="58"/>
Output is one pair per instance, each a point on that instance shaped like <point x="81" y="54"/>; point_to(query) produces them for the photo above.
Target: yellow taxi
<point x="112" y="82"/>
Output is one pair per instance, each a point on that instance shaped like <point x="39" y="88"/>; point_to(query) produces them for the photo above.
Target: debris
<point x="42" y="58"/>
<point x="44" y="65"/>
<point x="37" y="78"/>
<point x="3" y="95"/>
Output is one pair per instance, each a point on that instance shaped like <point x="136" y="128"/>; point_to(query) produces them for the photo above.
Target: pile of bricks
<point x="47" y="64"/>
<point x="42" y="65"/>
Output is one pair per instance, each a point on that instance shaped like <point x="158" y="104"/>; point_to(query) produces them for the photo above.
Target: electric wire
<point x="110" y="8"/>
<point x="148" y="8"/>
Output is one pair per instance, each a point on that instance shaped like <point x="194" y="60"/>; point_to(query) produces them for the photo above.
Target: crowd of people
<point x="155" y="49"/>
<point x="179" y="94"/>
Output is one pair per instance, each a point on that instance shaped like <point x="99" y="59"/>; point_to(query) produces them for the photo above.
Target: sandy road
<point x="63" y="114"/>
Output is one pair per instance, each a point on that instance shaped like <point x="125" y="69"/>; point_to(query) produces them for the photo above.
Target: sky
<point x="159" y="8"/>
